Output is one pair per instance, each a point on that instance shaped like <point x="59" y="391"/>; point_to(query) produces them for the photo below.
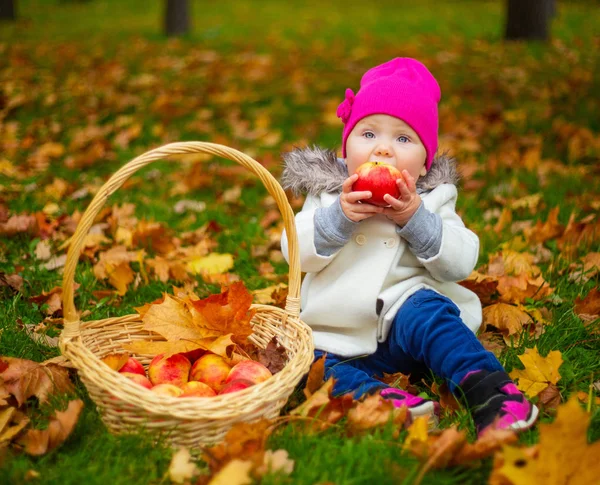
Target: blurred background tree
<point x="8" y="9"/>
<point x="529" y="19"/>
<point x="177" y="17"/>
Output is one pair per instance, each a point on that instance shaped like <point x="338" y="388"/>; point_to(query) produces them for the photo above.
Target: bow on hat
<point x="345" y="108"/>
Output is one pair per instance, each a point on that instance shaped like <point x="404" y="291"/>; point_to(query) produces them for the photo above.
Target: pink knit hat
<point x="403" y="88"/>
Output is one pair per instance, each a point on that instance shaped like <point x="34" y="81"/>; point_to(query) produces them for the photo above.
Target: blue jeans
<point x="427" y="333"/>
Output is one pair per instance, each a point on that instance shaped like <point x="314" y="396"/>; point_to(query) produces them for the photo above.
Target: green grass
<point x="284" y="65"/>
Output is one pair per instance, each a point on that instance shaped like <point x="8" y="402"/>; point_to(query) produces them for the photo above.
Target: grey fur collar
<point x="315" y="170"/>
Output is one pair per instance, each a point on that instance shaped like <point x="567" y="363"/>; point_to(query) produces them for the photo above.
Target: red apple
<point x="249" y="370"/>
<point x="138" y="379"/>
<point x="378" y="178"/>
<point x="197" y="389"/>
<point x="134" y="366"/>
<point x="172" y="370"/>
<point x="167" y="390"/>
<point x="212" y="369"/>
<point x="235" y="385"/>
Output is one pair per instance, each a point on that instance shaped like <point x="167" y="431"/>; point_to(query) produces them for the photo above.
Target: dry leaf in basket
<point x="187" y="323"/>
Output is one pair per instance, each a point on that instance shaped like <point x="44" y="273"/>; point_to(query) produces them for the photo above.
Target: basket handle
<point x="71" y="319"/>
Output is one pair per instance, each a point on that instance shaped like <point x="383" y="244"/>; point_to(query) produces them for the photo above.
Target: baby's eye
<point x="403" y="139"/>
<point x="369" y="134"/>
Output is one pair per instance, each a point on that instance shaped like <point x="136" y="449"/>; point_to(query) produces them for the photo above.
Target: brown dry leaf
<point x="375" y="411"/>
<point x="114" y="266"/>
<point x="588" y="308"/>
<point x="37" y="442"/>
<point x="588" y="270"/>
<point x="490" y="442"/>
<point x="273" y="356"/>
<point x="18" y="224"/>
<point x="236" y="472"/>
<point x="508" y="319"/>
<point x="25" y="378"/>
<point x="544" y="231"/>
<point x="244" y="441"/>
<point x="316" y="376"/>
<point x="539" y="371"/>
<point x="399" y="380"/>
<point x="13" y="281"/>
<point x="115" y="361"/>
<point x="443" y="447"/>
<point x="492" y="342"/>
<point x="483" y="285"/>
<point x="447" y="400"/>
<point x="549" y="399"/>
<point x="563" y="455"/>
<point x="324" y="408"/>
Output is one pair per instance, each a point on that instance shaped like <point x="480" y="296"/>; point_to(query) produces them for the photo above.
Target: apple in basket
<point x="197" y="389"/>
<point x="379" y="178"/>
<point x="133" y="365"/>
<point x="235" y="385"/>
<point x="249" y="370"/>
<point x="138" y="379"/>
<point x="167" y="390"/>
<point x="211" y="369"/>
<point x="169" y="370"/>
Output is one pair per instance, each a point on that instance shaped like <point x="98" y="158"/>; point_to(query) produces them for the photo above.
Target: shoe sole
<point x="522" y="425"/>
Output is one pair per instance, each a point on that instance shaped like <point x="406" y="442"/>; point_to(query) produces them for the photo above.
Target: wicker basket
<point x="189" y="422"/>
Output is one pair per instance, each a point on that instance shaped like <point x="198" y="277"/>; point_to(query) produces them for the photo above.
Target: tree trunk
<point x="528" y="19"/>
<point x="177" y="17"/>
<point x="8" y="10"/>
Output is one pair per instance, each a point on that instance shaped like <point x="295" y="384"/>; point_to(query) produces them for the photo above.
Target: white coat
<point x="340" y="293"/>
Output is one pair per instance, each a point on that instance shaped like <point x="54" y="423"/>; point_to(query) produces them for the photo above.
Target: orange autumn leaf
<point x="188" y="323"/>
<point x="544" y="231"/>
<point x="563" y="454"/>
<point x="483" y="285"/>
<point x="40" y="441"/>
<point x="588" y="308"/>
<point x="508" y="319"/>
<point x="244" y="441"/>
<point x="375" y="411"/>
<point x="539" y="371"/>
<point x="323" y="409"/>
<point x="316" y="376"/>
<point x="229" y="311"/>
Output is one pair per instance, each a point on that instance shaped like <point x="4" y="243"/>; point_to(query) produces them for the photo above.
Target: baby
<point x="381" y="292"/>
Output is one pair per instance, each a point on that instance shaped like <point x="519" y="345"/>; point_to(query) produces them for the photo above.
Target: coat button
<point x="360" y="239"/>
<point x="390" y="243"/>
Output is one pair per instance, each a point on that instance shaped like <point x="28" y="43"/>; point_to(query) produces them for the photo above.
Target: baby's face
<point x="384" y="138"/>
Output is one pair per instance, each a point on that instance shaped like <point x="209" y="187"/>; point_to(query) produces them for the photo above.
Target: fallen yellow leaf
<point x="539" y="371"/>
<point x="564" y="454"/>
<point x="214" y="263"/>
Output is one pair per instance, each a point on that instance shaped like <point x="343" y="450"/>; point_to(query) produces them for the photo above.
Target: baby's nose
<point x="382" y="151"/>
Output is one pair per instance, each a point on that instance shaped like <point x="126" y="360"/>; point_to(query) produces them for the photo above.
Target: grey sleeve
<point x="423" y="232"/>
<point x="332" y="229"/>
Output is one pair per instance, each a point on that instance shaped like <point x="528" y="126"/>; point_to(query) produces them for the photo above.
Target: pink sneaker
<point x="417" y="406"/>
<point x="495" y="401"/>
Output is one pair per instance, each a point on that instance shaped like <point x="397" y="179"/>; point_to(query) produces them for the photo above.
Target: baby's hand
<point x="403" y="209"/>
<point x="349" y="201"/>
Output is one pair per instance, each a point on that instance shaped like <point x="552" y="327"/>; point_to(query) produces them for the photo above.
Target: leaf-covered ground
<point x="87" y="86"/>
